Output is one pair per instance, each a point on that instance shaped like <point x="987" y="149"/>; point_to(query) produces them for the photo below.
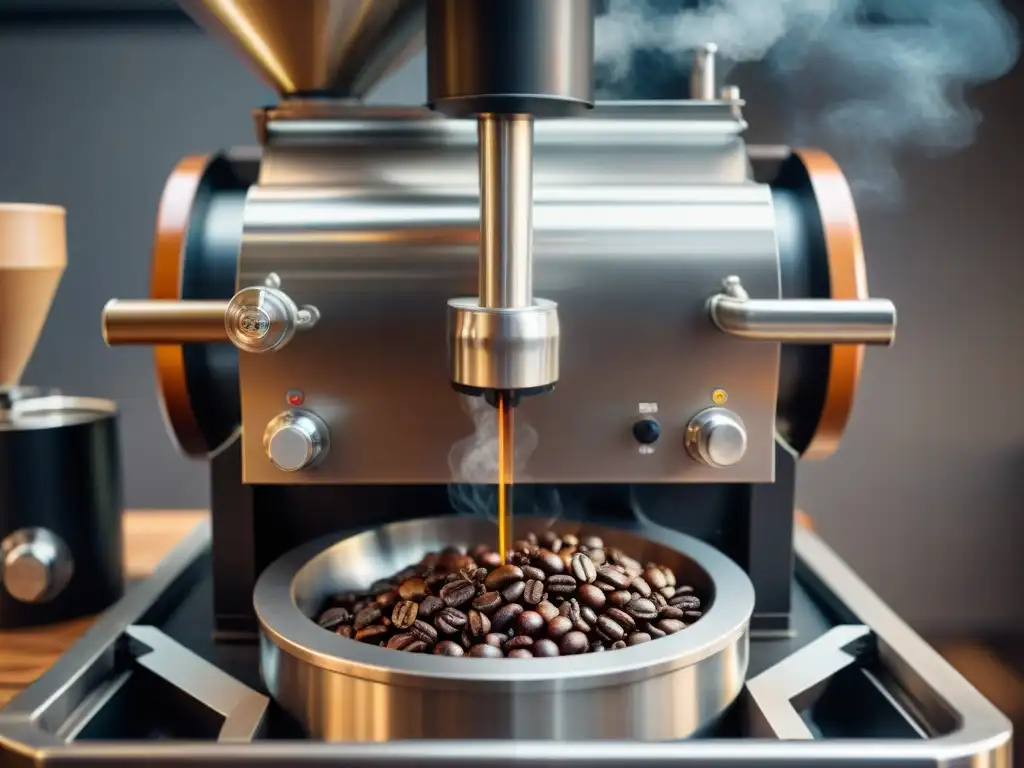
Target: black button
<point x="647" y="431"/>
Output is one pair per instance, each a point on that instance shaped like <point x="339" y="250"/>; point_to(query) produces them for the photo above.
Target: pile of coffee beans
<point x="556" y="596"/>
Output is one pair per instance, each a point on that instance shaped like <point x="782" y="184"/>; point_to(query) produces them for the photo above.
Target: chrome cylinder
<point x="506" y="210"/>
<point x="666" y="689"/>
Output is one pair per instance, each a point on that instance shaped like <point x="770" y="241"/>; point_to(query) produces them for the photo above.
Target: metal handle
<point x="159" y="321"/>
<point x="802" y="321"/>
<point x="256" y="319"/>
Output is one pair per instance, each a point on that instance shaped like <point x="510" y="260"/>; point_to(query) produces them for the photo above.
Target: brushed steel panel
<point x="375" y="222"/>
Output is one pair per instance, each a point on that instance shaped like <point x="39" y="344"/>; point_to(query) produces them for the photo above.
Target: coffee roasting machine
<point x="676" y="317"/>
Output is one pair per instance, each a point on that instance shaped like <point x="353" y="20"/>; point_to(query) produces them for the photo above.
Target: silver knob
<point x="264" y="318"/>
<point x="36" y="566"/>
<point x="716" y="437"/>
<point x="295" y="440"/>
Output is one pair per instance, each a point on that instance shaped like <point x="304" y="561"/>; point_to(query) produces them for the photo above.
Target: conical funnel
<point x="336" y="48"/>
<point x="33" y="254"/>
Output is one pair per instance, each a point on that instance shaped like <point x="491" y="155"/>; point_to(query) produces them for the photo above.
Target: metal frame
<point x="958" y="726"/>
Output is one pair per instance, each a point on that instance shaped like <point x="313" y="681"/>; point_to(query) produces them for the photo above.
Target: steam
<point x="474" y="466"/>
<point x="897" y="71"/>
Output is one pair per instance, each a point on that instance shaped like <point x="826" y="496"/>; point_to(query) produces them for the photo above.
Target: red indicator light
<point x="295" y="397"/>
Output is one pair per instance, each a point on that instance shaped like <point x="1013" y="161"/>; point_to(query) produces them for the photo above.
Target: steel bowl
<point x="341" y="690"/>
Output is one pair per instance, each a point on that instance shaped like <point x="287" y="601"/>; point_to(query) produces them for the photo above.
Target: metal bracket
<point x="241" y="707"/>
<point x="774" y="715"/>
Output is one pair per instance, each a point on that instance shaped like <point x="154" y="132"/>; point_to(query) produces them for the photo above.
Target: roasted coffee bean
<point x="430" y="561"/>
<point x="533" y="592"/>
<point x="503" y="617"/>
<point x="533" y="572"/>
<point x="558" y="627"/>
<point x="686" y="589"/>
<point x="386" y="621"/>
<point x="592" y="542"/>
<point x="413" y="589"/>
<point x="606" y="588"/>
<point x="345" y="599"/>
<point x="640" y="587"/>
<point x="670" y="626"/>
<point x="609" y="574"/>
<point x="404" y="614"/>
<point x="621" y="617"/>
<point x="548" y="562"/>
<point x="638" y="637"/>
<point x="659" y="600"/>
<point x="484" y="651"/>
<point x="424" y="632"/>
<point x="639" y="608"/>
<point x="566" y="555"/>
<point x="435" y="579"/>
<point x="369" y="615"/>
<point x="450" y="620"/>
<point x="531" y="537"/>
<point x="591" y="596"/>
<point x="475" y="574"/>
<point x="478" y="624"/>
<point x="596" y="556"/>
<point x="570" y="540"/>
<point x="545" y="648"/>
<point x="692" y="616"/>
<point x="588" y="615"/>
<point x="619" y="597"/>
<point x="546" y="609"/>
<point x="384" y="585"/>
<point x="334" y="617"/>
<point x="429" y="607"/>
<point x="519" y="641"/>
<point x="667" y="592"/>
<point x="402" y="641"/>
<point x="573" y="643"/>
<point x="653" y="575"/>
<point x="514" y="591"/>
<point x="361" y="605"/>
<point x="583" y="568"/>
<point x="496" y="639"/>
<point x="610" y="629"/>
<point x="651" y="629"/>
<point x="448" y="648"/>
<point x="490" y="560"/>
<point x="465" y="638"/>
<point x="686" y="602"/>
<point x="372" y="634"/>
<point x="458" y="593"/>
<point x="561" y="584"/>
<point x="671" y="612"/>
<point x="670" y="577"/>
<point x="487" y="602"/>
<point x="529" y="623"/>
<point x="345" y="630"/>
<point x="571" y="610"/>
<point x="551" y="540"/>
<point x="520" y="653"/>
<point x="618" y="645"/>
<point x="501" y="577"/>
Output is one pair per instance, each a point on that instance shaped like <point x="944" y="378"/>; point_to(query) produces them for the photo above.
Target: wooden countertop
<point x="148" y="537"/>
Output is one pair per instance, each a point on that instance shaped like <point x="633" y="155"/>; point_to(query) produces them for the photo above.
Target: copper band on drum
<point x="847" y="280"/>
<point x="166" y="283"/>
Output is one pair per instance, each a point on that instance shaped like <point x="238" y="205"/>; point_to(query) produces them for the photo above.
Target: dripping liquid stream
<point x="506" y="465"/>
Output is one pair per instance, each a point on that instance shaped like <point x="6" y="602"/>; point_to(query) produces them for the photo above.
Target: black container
<point x="61" y="548"/>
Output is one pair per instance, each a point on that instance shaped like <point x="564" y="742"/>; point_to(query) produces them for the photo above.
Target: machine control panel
<point x="716" y="438"/>
<point x="295" y="440"/>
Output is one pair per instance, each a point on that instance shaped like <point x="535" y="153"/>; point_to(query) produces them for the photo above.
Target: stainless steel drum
<point x="341" y="690"/>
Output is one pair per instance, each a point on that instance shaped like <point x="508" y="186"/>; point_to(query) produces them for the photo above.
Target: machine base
<point x="148" y="687"/>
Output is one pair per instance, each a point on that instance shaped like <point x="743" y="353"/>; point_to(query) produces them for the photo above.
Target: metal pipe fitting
<point x="802" y="321"/>
<point x="156" y="321"/>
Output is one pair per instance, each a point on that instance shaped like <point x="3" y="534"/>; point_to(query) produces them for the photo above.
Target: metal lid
<point x="54" y="411"/>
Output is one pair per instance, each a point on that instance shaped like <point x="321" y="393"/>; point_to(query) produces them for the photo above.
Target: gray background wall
<point x="925" y="496"/>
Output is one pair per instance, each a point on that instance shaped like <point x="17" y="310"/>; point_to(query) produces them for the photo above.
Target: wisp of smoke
<point x="896" y="71"/>
<point x="474" y="465"/>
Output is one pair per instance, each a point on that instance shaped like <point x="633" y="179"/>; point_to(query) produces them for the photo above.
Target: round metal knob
<point x="262" y="319"/>
<point x="36" y="566"/>
<point x="295" y="440"/>
<point x="716" y="437"/>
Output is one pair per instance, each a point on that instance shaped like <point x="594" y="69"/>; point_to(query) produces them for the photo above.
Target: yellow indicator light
<point x="719" y="396"/>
